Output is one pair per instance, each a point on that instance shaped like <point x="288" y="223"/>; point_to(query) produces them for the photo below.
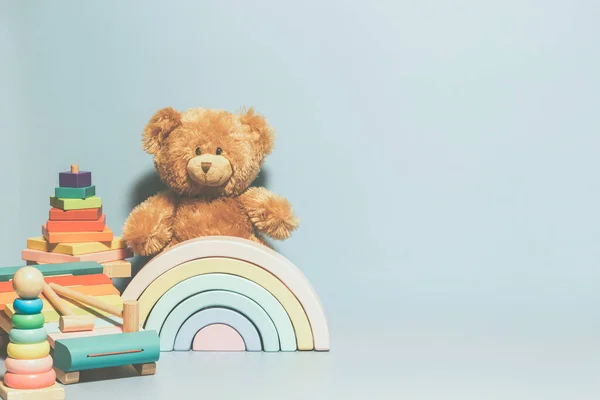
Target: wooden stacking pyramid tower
<point x="77" y="231"/>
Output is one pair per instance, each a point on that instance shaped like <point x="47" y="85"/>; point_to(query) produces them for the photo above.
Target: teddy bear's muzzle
<point x="209" y="170"/>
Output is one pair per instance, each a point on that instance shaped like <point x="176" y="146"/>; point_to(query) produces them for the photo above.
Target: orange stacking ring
<point x="31" y="381"/>
<point x="28" y="367"/>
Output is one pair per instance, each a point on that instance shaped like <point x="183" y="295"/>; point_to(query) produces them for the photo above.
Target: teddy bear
<point x="207" y="158"/>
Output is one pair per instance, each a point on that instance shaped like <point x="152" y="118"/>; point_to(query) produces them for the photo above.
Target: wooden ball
<point x="28" y="282"/>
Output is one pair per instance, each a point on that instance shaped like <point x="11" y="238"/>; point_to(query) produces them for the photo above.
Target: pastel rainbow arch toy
<point x="219" y="292"/>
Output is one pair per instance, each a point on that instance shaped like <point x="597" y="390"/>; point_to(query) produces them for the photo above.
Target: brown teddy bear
<point x="208" y="158"/>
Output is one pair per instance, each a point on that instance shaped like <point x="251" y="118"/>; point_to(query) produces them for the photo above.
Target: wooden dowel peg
<point x="131" y="316"/>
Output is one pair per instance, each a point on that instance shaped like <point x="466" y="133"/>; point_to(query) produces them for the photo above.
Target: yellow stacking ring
<point x="28" y="351"/>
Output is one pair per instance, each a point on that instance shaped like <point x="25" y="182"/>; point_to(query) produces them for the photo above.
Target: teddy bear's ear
<point x="162" y="123"/>
<point x="261" y="131"/>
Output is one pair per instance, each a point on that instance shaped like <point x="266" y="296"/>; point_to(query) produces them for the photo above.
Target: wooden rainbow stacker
<point x="116" y="338"/>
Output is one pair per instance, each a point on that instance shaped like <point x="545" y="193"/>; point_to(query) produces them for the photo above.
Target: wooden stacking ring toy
<point x="28" y="282"/>
<point x="28" y="351"/>
<point x="32" y="306"/>
<point x="31" y="381"/>
<point x="28" y="367"/>
<point x="24" y="321"/>
<point x="27" y="336"/>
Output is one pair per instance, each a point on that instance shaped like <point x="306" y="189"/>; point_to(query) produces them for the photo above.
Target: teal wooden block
<point x="84" y="353"/>
<point x="75" y="268"/>
<point x="75" y="193"/>
<point x="31" y="306"/>
<point x="27" y="336"/>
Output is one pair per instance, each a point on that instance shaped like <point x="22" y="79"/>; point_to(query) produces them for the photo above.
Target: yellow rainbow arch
<point x="219" y="271"/>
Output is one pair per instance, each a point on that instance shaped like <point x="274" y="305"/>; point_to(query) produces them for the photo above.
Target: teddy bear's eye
<point x="198" y="152"/>
<point x="219" y="151"/>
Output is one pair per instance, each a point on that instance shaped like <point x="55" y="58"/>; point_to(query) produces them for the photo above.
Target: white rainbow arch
<point x="228" y="283"/>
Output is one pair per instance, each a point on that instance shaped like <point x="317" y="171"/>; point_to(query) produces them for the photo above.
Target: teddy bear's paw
<point x="148" y="246"/>
<point x="146" y="233"/>
<point x="276" y="218"/>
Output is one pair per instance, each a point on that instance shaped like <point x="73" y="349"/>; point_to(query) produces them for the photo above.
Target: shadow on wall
<point x="148" y="185"/>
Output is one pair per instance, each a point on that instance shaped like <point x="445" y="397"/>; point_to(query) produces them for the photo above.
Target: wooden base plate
<point x="54" y="392"/>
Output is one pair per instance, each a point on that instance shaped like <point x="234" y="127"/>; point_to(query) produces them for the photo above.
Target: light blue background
<point x="442" y="155"/>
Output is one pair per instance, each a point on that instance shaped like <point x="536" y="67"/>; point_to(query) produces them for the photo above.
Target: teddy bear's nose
<point x="206" y="166"/>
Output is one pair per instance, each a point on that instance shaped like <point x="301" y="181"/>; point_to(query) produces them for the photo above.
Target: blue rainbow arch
<point x="234" y="282"/>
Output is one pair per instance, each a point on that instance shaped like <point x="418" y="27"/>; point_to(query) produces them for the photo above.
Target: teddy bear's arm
<point x="148" y="230"/>
<point x="269" y="213"/>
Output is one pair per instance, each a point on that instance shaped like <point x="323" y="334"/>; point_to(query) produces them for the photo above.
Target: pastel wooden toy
<point x="85" y="353"/>
<point x="117" y="269"/>
<point x="245" y="328"/>
<point x="49" y="258"/>
<point x="77" y="268"/>
<point x="28" y="351"/>
<point x="28" y="282"/>
<point x="54" y="392"/>
<point x="50" y="314"/>
<point x="75" y="193"/>
<point x="131" y="317"/>
<point x="204" y="266"/>
<point x="219" y="298"/>
<point x="183" y="292"/>
<point x="77" y="237"/>
<point x="31" y="381"/>
<point x="24" y="321"/>
<point x="94" y="302"/>
<point x="100" y="324"/>
<point x="260" y="257"/>
<point x="94" y="290"/>
<point x="32" y="306"/>
<point x="104" y="256"/>
<point x="89" y="214"/>
<point x="69" y="322"/>
<point x="77" y="226"/>
<point x="76" y="204"/>
<point x="64" y="278"/>
<point x="107" y="256"/>
<point x="35" y="366"/>
<point x="91" y="289"/>
<point x="98" y="331"/>
<point x="75" y="178"/>
<point x="218" y="337"/>
<point x="129" y="311"/>
<point x="27" y="336"/>
<point x="75" y="249"/>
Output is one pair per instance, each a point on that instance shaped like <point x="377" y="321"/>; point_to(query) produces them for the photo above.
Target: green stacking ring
<point x="31" y="321"/>
<point x="27" y="336"/>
